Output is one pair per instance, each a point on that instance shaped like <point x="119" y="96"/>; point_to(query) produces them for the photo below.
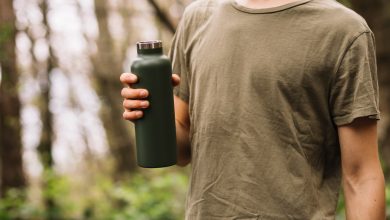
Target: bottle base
<point x="156" y="165"/>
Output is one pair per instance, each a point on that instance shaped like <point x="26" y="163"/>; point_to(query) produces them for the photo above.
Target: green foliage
<point x="388" y="201"/>
<point x="145" y="198"/>
<point x="150" y="195"/>
<point x="15" y="205"/>
<point x="57" y="204"/>
<point x="346" y="3"/>
<point x="341" y="207"/>
<point x="6" y="34"/>
<point x="154" y="195"/>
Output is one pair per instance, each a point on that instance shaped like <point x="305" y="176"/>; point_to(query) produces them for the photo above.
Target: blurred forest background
<point x="65" y="152"/>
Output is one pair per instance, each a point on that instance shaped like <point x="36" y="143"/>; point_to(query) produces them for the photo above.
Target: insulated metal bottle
<point x="155" y="131"/>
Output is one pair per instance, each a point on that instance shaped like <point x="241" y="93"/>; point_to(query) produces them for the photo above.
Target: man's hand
<point x="134" y="98"/>
<point x="363" y="180"/>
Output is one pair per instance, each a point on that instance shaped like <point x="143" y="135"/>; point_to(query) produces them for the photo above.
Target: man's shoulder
<point x="201" y="8"/>
<point x="198" y="13"/>
<point x="201" y="5"/>
<point x="339" y="17"/>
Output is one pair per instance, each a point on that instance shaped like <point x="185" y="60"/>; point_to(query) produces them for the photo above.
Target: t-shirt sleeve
<point x="354" y="90"/>
<point x="179" y="62"/>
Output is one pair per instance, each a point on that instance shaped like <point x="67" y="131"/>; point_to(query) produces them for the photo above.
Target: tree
<point x="107" y="65"/>
<point x="45" y="147"/>
<point x="12" y="175"/>
<point x="162" y="16"/>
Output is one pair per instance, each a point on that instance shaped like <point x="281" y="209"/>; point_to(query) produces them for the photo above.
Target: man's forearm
<point x="365" y="196"/>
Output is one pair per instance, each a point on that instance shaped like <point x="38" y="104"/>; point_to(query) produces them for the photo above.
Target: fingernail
<point x="138" y="113"/>
<point x="145" y="104"/>
<point x="144" y="93"/>
<point x="132" y="77"/>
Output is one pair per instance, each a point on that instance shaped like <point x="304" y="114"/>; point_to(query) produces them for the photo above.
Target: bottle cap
<point x="153" y="44"/>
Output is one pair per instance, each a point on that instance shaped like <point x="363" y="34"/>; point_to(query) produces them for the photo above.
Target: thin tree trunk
<point x="45" y="147"/>
<point x="162" y="16"/>
<point x="107" y="68"/>
<point x="377" y="15"/>
<point x="12" y="175"/>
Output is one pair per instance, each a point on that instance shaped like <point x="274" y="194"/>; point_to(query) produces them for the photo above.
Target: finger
<point x="129" y="93"/>
<point x="135" y="104"/>
<point x="175" y="79"/>
<point x="132" y="115"/>
<point x="128" y="78"/>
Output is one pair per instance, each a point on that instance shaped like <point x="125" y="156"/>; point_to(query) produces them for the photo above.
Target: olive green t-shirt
<point x="266" y="90"/>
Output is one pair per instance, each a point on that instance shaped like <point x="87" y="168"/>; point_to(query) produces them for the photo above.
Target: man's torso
<point x="263" y="142"/>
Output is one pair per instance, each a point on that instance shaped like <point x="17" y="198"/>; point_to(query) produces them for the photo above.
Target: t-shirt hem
<point x="370" y="112"/>
<point x="262" y="216"/>
<point x="181" y="95"/>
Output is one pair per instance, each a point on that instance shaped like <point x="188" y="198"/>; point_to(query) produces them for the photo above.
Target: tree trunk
<point x="377" y="15"/>
<point x="162" y="16"/>
<point x="12" y="175"/>
<point x="45" y="146"/>
<point x="107" y="68"/>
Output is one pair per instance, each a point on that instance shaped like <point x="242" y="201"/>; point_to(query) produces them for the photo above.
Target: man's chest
<point x="264" y="59"/>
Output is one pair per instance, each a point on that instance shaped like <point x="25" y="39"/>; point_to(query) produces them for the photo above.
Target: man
<point x="278" y="101"/>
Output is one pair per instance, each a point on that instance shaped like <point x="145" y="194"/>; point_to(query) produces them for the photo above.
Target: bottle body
<point x="155" y="131"/>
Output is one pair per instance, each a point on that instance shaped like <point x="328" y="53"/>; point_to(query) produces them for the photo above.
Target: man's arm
<point x="182" y="132"/>
<point x="363" y="180"/>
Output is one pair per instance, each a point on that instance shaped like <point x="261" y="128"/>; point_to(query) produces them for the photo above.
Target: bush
<point x="152" y="195"/>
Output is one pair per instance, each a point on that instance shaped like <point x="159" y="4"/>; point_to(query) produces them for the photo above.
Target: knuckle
<point x="132" y="94"/>
<point x="135" y="104"/>
<point x="125" y="115"/>
<point x="122" y="77"/>
<point x="129" y="104"/>
<point x="134" y="115"/>
<point x="125" y="103"/>
<point x="123" y="92"/>
<point x="128" y="93"/>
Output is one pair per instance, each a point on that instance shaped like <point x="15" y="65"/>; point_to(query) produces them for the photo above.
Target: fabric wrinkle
<point x="265" y="101"/>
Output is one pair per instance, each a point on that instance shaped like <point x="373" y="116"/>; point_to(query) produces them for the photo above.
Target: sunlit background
<point x="68" y="154"/>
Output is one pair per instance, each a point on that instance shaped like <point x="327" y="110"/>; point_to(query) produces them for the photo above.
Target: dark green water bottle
<point x="155" y="132"/>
